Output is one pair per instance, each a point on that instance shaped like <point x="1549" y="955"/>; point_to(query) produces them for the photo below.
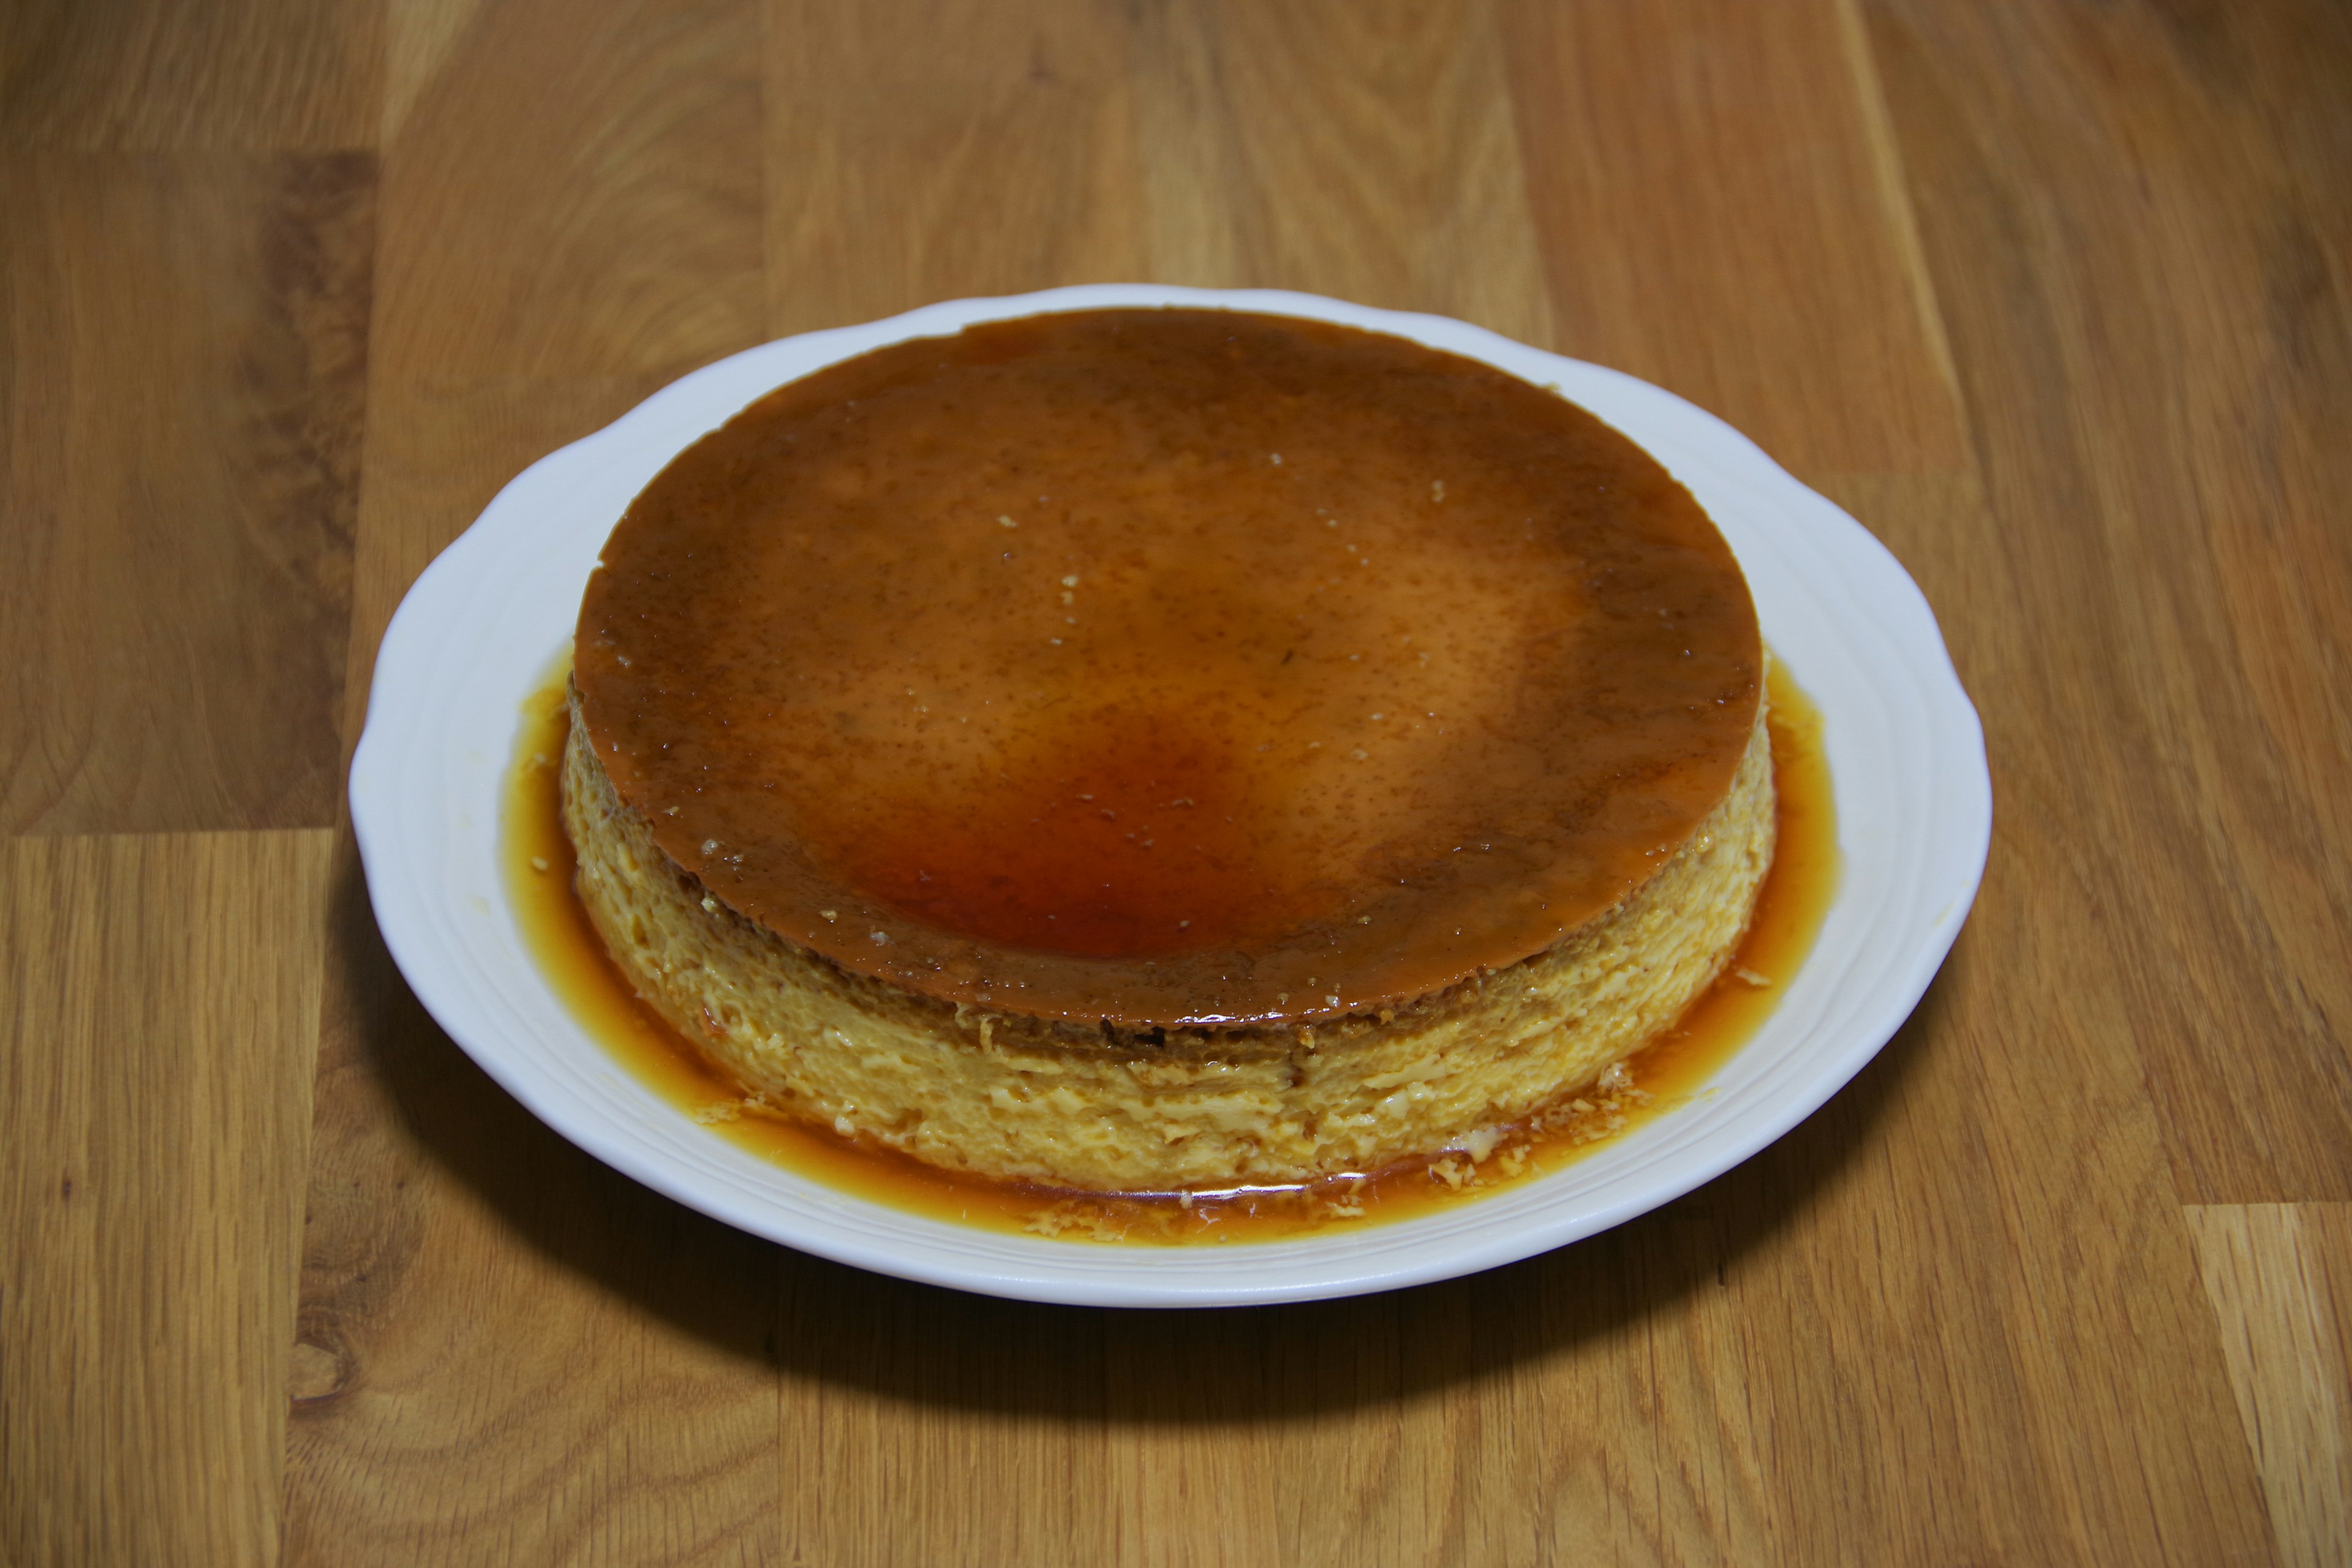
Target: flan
<point x="1168" y="750"/>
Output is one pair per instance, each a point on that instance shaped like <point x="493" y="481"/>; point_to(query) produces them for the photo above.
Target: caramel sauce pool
<point x="539" y="868"/>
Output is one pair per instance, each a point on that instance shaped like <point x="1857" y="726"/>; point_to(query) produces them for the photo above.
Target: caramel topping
<point x="1168" y="667"/>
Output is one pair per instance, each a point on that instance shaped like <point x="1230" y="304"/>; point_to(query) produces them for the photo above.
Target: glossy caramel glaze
<point x="1161" y="667"/>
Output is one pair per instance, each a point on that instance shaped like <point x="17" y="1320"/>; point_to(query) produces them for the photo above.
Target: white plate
<point x="481" y="626"/>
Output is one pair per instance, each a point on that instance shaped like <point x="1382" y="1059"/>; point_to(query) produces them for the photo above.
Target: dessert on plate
<point x="1168" y="750"/>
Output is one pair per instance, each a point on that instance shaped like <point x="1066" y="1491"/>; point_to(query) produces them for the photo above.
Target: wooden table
<point x="2051" y="296"/>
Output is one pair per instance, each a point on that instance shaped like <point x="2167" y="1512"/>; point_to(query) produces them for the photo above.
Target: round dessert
<point x="1168" y="750"/>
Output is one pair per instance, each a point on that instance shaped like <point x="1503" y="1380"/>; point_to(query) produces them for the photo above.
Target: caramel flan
<point x="1154" y="750"/>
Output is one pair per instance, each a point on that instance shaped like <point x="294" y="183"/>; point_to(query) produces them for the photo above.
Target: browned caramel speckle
<point x="1168" y="667"/>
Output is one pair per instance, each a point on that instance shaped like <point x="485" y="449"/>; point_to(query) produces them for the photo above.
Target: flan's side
<point x="1106" y="1108"/>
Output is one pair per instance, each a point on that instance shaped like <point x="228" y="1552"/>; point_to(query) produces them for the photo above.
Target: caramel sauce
<point x="539" y="868"/>
<point x="1157" y="668"/>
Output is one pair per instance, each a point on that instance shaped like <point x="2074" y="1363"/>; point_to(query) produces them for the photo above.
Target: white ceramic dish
<point x="481" y="626"/>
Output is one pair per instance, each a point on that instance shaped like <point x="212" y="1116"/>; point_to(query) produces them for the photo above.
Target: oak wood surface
<point x="2280" y="1279"/>
<point x="162" y="990"/>
<point x="182" y="354"/>
<point x="2051" y="296"/>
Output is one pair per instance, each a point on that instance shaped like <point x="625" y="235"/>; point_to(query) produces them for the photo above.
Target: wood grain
<point x="1366" y="151"/>
<point x="1712" y="194"/>
<point x="435" y="458"/>
<point x="2153" y="348"/>
<point x="153" y="76"/>
<point x="161" y="1005"/>
<point x="2053" y="297"/>
<point x="507" y="1353"/>
<point x="2045" y="1178"/>
<point x="603" y="1387"/>
<point x="921" y="1425"/>
<point x="922" y="152"/>
<point x="182" y="354"/>
<point x="431" y="1191"/>
<point x="1768" y="1369"/>
<point x="2278" y="1276"/>
<point x="614" y="227"/>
